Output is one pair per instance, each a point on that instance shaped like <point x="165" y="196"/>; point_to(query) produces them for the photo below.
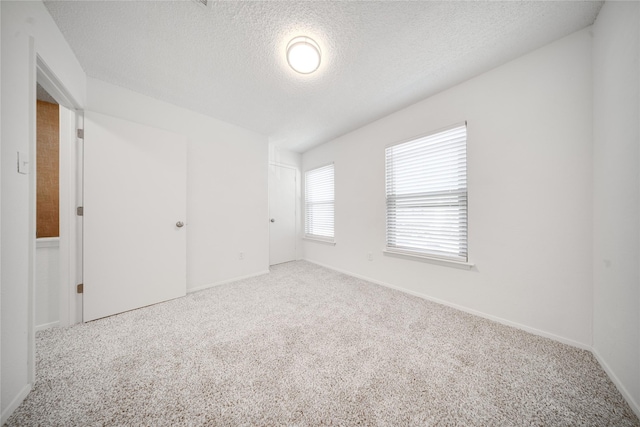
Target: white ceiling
<point x="227" y="60"/>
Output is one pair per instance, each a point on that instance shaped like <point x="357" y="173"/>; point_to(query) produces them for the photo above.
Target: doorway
<point x="47" y="170"/>
<point x="282" y="214"/>
<point x="62" y="263"/>
<point x="68" y="244"/>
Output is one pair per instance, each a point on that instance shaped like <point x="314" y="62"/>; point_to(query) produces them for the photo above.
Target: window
<point x="426" y="186"/>
<point x="319" y="204"/>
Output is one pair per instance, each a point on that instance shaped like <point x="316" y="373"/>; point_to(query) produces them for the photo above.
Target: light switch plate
<point x="23" y="163"/>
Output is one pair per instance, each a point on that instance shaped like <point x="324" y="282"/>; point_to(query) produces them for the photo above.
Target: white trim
<point x="69" y="243"/>
<point x="425" y="258"/>
<point x="224" y="282"/>
<point x="75" y="308"/>
<point x="47" y="326"/>
<point x="283" y="165"/>
<point x="465" y="309"/>
<point x="68" y="240"/>
<point x="52" y="84"/>
<point x="331" y="242"/>
<point x="31" y="283"/>
<point x="68" y="230"/>
<point x="635" y="406"/>
<point x="47" y="242"/>
<point x="15" y="403"/>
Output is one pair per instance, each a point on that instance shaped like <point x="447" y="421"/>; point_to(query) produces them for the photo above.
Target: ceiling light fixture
<point x="303" y="55"/>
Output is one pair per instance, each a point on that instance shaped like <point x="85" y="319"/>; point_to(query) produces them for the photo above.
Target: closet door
<point x="282" y="214"/>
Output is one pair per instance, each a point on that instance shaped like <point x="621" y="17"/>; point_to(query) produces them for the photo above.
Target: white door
<point x="134" y="215"/>
<point x="282" y="213"/>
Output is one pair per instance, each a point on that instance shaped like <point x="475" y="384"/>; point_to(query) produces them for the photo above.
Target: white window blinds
<point x="426" y="185"/>
<point x="319" y="203"/>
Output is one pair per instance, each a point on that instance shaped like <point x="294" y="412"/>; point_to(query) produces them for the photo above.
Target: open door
<point x="134" y="215"/>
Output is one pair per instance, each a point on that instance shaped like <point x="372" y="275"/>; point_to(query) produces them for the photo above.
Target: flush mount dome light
<point x="303" y="55"/>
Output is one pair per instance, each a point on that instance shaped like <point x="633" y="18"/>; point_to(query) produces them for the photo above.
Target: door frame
<point x="296" y="204"/>
<point x="41" y="73"/>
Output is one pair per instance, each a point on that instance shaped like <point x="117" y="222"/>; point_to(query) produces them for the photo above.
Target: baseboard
<point x="465" y="309"/>
<point x="614" y="378"/>
<point x="15" y="403"/>
<point x="47" y="326"/>
<point x="223" y="282"/>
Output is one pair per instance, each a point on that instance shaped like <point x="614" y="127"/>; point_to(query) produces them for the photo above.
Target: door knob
<point x="179" y="224"/>
<point x="273" y="220"/>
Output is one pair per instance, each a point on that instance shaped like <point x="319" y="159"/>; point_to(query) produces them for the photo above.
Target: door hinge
<point x="80" y="133"/>
<point x="80" y="288"/>
<point x="80" y="211"/>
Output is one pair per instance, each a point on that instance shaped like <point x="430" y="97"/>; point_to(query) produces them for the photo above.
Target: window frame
<point x="318" y="237"/>
<point x="424" y="254"/>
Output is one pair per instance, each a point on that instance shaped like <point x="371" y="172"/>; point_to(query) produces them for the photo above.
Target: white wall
<point x="616" y="255"/>
<point x="27" y="30"/>
<point x="227" y="207"/>
<point x="47" y="288"/>
<point x="530" y="202"/>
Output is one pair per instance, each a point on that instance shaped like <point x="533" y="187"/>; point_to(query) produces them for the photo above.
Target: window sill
<point x="330" y="242"/>
<point x="432" y="260"/>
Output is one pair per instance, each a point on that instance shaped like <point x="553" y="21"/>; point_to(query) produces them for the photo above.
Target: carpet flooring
<point x="307" y="346"/>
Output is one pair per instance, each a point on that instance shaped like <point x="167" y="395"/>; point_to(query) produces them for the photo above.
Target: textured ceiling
<point x="227" y="60"/>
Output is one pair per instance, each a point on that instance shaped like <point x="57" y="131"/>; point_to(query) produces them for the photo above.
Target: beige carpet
<point x="307" y="346"/>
